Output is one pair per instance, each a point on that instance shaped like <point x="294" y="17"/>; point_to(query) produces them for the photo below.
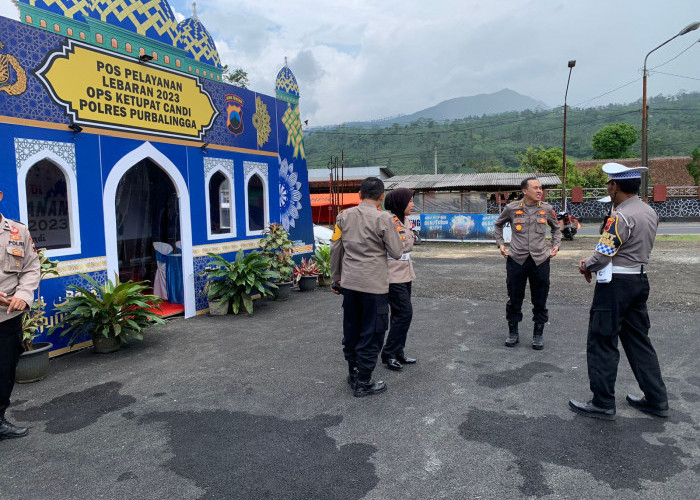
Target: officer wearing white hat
<point x="619" y="308"/>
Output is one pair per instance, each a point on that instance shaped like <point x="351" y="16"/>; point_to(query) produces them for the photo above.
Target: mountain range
<point x="462" y="107"/>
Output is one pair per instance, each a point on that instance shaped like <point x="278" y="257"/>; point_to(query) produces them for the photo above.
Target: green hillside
<point x="492" y="143"/>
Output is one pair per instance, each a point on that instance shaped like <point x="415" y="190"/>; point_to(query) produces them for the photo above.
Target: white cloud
<point x="362" y="59"/>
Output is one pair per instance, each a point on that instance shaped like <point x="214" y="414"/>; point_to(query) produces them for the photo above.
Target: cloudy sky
<point x="363" y="60"/>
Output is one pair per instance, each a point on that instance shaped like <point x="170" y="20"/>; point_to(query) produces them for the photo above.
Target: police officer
<point x="364" y="235"/>
<point x="528" y="259"/>
<point x="619" y="308"/>
<point x="19" y="277"/>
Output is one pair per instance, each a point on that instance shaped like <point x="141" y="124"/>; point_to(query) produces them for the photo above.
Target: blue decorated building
<point x="126" y="153"/>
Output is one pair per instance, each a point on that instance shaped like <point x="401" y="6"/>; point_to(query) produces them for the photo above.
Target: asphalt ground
<point x="257" y="407"/>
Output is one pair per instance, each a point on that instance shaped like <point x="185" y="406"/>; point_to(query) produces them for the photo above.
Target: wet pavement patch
<point x="613" y="452"/>
<point x="239" y="455"/>
<point x="507" y="378"/>
<point x="76" y="410"/>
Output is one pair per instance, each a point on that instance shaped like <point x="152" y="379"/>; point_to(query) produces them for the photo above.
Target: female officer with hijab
<point x="400" y="203"/>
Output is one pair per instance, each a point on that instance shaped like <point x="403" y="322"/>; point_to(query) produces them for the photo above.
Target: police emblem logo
<point x="519" y="212"/>
<point x="16" y="237"/>
<point x="518" y="227"/>
<point x="542" y="212"/>
<point x="542" y="221"/>
<point x="609" y="223"/>
<point x="609" y="242"/>
<point x="17" y="252"/>
<point x="234" y="114"/>
<point x="14" y="230"/>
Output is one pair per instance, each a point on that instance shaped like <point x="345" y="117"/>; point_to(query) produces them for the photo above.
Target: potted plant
<point x="34" y="362"/>
<point x="236" y="281"/>
<point x="111" y="313"/>
<point x="322" y="254"/>
<point x="306" y="275"/>
<point x="277" y="247"/>
<point x="217" y="299"/>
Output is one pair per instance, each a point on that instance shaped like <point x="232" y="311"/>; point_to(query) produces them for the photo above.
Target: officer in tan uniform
<point x="364" y="236"/>
<point x="528" y="259"/>
<point x="619" y="308"/>
<point x="19" y="277"/>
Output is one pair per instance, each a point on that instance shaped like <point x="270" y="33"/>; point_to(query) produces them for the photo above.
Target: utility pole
<point x="435" y="160"/>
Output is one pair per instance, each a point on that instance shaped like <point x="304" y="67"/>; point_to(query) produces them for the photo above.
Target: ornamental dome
<point x="73" y="9"/>
<point x="194" y="39"/>
<point x="150" y="18"/>
<point x="286" y="86"/>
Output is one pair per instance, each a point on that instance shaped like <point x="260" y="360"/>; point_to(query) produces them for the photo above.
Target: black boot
<point x="9" y="431"/>
<point x="368" y="387"/>
<point x="512" y="334"/>
<point x="537" y="343"/>
<point x="352" y="375"/>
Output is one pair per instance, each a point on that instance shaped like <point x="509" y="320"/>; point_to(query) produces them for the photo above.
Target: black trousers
<point x="365" y="319"/>
<point x="10" y="350"/>
<point x="619" y="310"/>
<point x="401" y="315"/>
<point x="517" y="276"/>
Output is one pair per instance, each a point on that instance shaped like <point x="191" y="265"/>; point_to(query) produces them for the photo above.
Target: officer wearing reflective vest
<point x="364" y="235"/>
<point x="19" y="277"/>
<point x="619" y="309"/>
<point x="528" y="259"/>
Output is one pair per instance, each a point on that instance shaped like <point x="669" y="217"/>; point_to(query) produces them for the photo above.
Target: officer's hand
<point x="586" y="273"/>
<point x="334" y="290"/>
<point x="554" y="252"/>
<point x="4" y="301"/>
<point x="16" y="305"/>
<point x="503" y="251"/>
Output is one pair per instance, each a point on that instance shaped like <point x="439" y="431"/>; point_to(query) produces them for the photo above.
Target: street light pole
<point x="645" y="116"/>
<point x="572" y="63"/>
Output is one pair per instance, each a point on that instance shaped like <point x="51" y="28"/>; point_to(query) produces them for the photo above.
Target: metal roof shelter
<point x="445" y="182"/>
<point x="351" y="173"/>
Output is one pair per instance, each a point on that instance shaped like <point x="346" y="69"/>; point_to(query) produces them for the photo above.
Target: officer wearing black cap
<point x="619" y="309"/>
<point x="19" y="277"/>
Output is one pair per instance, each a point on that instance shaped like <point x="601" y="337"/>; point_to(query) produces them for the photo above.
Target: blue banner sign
<point x="457" y="227"/>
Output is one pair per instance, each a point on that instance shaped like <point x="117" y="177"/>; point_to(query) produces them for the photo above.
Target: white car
<point x="322" y="235"/>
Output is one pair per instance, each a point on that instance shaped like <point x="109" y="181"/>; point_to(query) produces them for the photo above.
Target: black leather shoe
<point x="352" y="378"/>
<point x="537" y="342"/>
<point x="591" y="410"/>
<point x="392" y="364"/>
<point x="370" y="388"/>
<point x="512" y="334"/>
<point x="406" y="361"/>
<point x="9" y="431"/>
<point x="642" y="405"/>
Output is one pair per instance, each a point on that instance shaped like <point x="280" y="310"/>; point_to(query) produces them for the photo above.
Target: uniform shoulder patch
<point x="337" y="233"/>
<point x="610" y="241"/>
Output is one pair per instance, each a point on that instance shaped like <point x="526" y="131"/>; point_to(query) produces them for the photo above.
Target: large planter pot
<point x="324" y="281"/>
<point x="308" y="283"/>
<point x="218" y="307"/>
<point x="282" y="291"/>
<point x="105" y="345"/>
<point x="33" y="365"/>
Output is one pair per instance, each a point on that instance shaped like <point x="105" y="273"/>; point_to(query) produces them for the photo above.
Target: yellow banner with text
<point x="104" y="89"/>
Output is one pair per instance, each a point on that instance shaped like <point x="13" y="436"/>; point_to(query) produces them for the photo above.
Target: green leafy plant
<point x="277" y="247"/>
<point x="306" y="268"/>
<point x="322" y="254"/>
<point x="238" y="280"/>
<point x="112" y="309"/>
<point x="35" y="317"/>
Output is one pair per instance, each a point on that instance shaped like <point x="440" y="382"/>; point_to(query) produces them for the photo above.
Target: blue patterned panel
<point x="74" y="9"/>
<point x="150" y="18"/>
<point x="195" y="39"/>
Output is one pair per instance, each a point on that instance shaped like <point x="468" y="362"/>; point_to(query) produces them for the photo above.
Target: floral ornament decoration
<point x="290" y="194"/>
<point x="261" y="121"/>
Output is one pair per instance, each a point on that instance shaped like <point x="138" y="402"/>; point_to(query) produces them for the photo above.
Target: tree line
<point x="517" y="140"/>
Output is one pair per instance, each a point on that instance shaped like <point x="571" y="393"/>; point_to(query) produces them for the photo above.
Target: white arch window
<point x="257" y="211"/>
<point x="220" y="198"/>
<point x="48" y="195"/>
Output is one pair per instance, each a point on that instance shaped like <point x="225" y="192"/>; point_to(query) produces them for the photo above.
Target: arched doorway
<point x="148" y="229"/>
<point x="147" y="151"/>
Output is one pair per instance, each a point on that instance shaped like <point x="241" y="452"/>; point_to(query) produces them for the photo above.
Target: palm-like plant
<point x="35" y="317"/>
<point x="238" y="280"/>
<point x="112" y="309"/>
